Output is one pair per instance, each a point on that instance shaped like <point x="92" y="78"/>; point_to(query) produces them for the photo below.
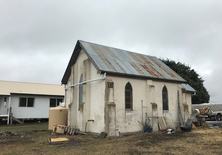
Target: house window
<point x="55" y="102"/>
<point x="80" y="90"/>
<point x="26" y="102"/>
<point x="128" y="97"/>
<point x="5" y="99"/>
<point x="165" y="98"/>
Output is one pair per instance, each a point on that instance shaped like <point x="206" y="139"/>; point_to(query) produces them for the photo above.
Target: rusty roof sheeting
<point x="113" y="60"/>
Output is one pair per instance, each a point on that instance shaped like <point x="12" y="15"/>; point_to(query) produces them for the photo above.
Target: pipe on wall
<point x="87" y="81"/>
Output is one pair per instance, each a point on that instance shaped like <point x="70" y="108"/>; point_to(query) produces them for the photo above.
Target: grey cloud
<point x="37" y="37"/>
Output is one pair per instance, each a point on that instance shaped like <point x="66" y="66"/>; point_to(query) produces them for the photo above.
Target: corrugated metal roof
<point x="9" y="87"/>
<point x="118" y="61"/>
<point x="188" y="87"/>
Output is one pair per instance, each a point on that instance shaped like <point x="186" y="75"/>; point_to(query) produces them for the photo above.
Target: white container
<point x="117" y="132"/>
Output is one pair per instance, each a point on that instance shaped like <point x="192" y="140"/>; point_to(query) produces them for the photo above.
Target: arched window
<point x="80" y="90"/>
<point x="165" y="98"/>
<point x="128" y="97"/>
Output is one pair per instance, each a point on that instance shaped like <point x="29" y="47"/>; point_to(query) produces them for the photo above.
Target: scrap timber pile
<point x="65" y="129"/>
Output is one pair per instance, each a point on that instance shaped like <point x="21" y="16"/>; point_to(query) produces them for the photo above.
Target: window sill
<point x="165" y="111"/>
<point x="129" y="110"/>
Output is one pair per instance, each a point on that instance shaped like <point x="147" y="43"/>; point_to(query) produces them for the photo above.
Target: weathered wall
<point x="40" y="109"/>
<point x="92" y="106"/>
<point x="188" y="109"/>
<point x="106" y="106"/>
<point x="150" y="92"/>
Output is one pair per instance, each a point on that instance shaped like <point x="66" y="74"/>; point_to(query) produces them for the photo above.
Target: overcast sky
<point x="37" y="37"/>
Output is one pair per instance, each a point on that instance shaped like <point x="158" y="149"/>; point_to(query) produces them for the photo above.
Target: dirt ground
<point x="32" y="139"/>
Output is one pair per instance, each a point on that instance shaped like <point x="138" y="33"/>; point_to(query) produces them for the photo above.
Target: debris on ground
<point x="8" y="133"/>
<point x="39" y="130"/>
<point x="63" y="129"/>
<point x="214" y="124"/>
<point x="187" y="126"/>
<point x="102" y="135"/>
<point x="193" y="127"/>
<point x="58" y="140"/>
<point x="170" y="131"/>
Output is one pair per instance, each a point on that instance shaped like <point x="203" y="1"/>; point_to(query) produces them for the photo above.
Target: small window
<point x="5" y="99"/>
<point x="26" y="102"/>
<point x="128" y="97"/>
<point x="52" y="102"/>
<point x="55" y="102"/>
<point x="165" y="98"/>
<point x="30" y="102"/>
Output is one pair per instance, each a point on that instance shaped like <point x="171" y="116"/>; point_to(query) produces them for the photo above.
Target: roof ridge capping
<point x="116" y="48"/>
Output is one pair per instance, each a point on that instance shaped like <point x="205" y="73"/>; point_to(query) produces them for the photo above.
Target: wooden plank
<point x="162" y="123"/>
<point x="59" y="139"/>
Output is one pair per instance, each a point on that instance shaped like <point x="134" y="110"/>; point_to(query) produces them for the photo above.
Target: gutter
<point x="104" y="77"/>
<point x="144" y="77"/>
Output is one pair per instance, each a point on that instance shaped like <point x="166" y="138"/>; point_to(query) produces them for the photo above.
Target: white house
<point x="109" y="89"/>
<point x="28" y="100"/>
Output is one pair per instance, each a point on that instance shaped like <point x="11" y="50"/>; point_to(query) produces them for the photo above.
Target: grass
<point x="199" y="141"/>
<point x="19" y="128"/>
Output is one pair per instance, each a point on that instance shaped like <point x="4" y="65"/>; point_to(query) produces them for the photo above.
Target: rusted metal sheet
<point x="115" y="60"/>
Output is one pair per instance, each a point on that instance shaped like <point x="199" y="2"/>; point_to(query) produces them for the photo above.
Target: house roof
<point x="10" y="87"/>
<point x="188" y="88"/>
<point x="117" y="61"/>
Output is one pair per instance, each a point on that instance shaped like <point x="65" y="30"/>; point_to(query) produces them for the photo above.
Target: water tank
<point x="57" y="115"/>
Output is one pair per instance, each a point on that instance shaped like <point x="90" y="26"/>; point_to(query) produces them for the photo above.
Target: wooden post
<point x="10" y="113"/>
<point x="11" y="118"/>
<point x="55" y="128"/>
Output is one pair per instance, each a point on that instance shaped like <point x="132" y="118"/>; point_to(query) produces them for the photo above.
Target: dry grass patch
<point x="200" y="141"/>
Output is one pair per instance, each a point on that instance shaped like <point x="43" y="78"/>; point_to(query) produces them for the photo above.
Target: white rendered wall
<point x="95" y="101"/>
<point x="92" y="107"/>
<point x="40" y="109"/>
<point x="127" y="121"/>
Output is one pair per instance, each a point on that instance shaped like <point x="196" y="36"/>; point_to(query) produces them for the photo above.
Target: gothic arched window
<point x="128" y="97"/>
<point x="165" y="98"/>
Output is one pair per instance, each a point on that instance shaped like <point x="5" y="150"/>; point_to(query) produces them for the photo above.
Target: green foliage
<point x="192" y="78"/>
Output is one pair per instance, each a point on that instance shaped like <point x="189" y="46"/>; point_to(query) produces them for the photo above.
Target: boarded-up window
<point x="165" y="98"/>
<point x="26" y="102"/>
<point x="80" y="90"/>
<point x="128" y="97"/>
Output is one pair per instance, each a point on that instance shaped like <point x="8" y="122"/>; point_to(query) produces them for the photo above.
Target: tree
<point x="192" y="78"/>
